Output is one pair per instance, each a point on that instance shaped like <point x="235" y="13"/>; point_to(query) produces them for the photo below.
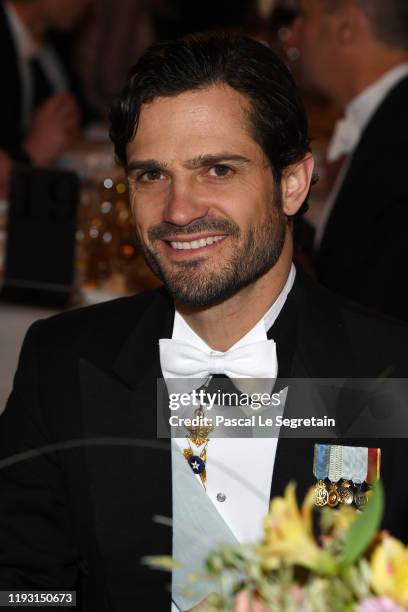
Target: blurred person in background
<point x="40" y="109"/>
<point x="356" y="53"/>
<point x="118" y="33"/>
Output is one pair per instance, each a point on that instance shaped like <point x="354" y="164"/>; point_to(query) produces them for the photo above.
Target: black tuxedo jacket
<point x="364" y="251"/>
<point x="11" y="129"/>
<point x="81" y="516"/>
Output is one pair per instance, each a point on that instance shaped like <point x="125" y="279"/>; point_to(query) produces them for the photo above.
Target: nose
<point x="184" y="203"/>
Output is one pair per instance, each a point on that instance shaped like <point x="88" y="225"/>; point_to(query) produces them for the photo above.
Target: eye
<point x="150" y="176"/>
<point x="220" y="171"/>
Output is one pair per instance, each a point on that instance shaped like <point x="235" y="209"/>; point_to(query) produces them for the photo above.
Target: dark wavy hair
<point x="277" y="118"/>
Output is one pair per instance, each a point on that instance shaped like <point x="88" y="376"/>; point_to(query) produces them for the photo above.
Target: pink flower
<point x="298" y="594"/>
<point x="378" y="604"/>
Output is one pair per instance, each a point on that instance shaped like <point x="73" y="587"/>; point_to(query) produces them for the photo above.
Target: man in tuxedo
<point x="356" y="53"/>
<point x="40" y="107"/>
<point x="213" y="136"/>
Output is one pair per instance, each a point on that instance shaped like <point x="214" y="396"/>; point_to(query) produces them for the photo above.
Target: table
<point x="14" y="322"/>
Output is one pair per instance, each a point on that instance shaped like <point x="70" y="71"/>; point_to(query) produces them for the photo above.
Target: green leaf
<point x="163" y="562"/>
<point x="363" y="530"/>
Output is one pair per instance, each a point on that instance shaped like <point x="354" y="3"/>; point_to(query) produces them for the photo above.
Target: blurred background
<point x="66" y="233"/>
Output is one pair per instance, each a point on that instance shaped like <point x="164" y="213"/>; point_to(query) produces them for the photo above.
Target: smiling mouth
<point x="194" y="244"/>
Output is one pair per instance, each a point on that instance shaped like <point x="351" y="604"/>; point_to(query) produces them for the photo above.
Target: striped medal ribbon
<point x="335" y="473"/>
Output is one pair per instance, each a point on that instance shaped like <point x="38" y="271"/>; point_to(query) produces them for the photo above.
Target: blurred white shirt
<point x="239" y="470"/>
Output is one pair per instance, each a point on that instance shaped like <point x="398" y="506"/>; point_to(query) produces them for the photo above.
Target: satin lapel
<point x="320" y="349"/>
<point x="129" y="469"/>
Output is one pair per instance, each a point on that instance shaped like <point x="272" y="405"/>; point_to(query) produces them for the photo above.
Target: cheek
<point x="147" y="209"/>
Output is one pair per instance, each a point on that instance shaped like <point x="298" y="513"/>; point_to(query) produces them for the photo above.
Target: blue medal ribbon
<point x="321" y="460"/>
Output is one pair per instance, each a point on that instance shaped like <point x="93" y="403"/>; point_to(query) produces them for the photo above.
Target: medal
<point x="320" y="462"/>
<point x="335" y="471"/>
<point x="345" y="493"/>
<point x="321" y="495"/>
<point x="198" y="434"/>
<point x="360" y="498"/>
<point x="333" y="496"/>
<point x="355" y="466"/>
<point x="197" y="462"/>
<point x="350" y="464"/>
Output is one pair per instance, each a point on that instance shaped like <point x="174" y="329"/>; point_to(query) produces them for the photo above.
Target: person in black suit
<point x="40" y="108"/>
<point x="214" y="138"/>
<point x="356" y="53"/>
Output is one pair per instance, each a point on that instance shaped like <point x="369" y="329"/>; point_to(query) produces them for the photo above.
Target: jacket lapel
<point x="318" y="348"/>
<point x="129" y="469"/>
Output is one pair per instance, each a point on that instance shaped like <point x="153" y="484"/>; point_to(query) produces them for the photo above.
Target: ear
<point x="295" y="184"/>
<point x="351" y="24"/>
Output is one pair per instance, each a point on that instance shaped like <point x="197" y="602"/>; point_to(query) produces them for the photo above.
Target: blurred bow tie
<point x="181" y="360"/>
<point x="345" y="137"/>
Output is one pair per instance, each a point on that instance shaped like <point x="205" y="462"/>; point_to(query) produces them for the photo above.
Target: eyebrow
<point x="210" y="159"/>
<point x="201" y="161"/>
<point x="145" y="164"/>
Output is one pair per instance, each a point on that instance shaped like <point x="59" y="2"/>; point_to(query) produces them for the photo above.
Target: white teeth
<point x="196" y="244"/>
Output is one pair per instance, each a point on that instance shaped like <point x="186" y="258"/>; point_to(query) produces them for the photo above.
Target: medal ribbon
<point x="321" y="460"/>
<point x="374" y="462"/>
<point x="355" y="464"/>
<point x="335" y="463"/>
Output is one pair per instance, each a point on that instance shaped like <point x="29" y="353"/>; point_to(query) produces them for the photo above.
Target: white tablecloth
<point x="14" y="322"/>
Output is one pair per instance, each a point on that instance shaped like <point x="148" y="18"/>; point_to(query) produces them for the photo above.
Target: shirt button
<point x="221" y="497"/>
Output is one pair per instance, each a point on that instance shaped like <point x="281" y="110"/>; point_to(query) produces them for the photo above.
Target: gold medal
<point x="321" y="495"/>
<point x="345" y="493"/>
<point x="333" y="496"/>
<point x="198" y="434"/>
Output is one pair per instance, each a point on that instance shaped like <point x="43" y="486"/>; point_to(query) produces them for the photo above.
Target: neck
<point x="31" y="17"/>
<point x="221" y="325"/>
<point x="369" y="68"/>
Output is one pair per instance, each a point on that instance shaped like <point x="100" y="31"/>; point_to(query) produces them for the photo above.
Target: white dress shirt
<point x="27" y="48"/>
<point x="239" y="469"/>
<point x="348" y="131"/>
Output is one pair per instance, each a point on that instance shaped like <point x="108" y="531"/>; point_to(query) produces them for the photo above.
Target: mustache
<point x="163" y="230"/>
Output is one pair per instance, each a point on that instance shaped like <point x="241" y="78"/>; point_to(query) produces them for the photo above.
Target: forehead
<point x="213" y="117"/>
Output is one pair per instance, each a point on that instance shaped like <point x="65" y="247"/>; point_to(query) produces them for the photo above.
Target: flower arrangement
<point x="349" y="567"/>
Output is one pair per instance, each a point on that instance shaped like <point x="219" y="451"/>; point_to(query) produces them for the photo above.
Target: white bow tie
<point x="182" y="360"/>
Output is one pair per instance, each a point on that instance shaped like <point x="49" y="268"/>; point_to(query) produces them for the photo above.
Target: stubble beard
<point x="195" y="283"/>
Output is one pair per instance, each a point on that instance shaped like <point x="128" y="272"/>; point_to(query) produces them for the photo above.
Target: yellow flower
<point x="288" y="532"/>
<point x="339" y="521"/>
<point x="389" y="566"/>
